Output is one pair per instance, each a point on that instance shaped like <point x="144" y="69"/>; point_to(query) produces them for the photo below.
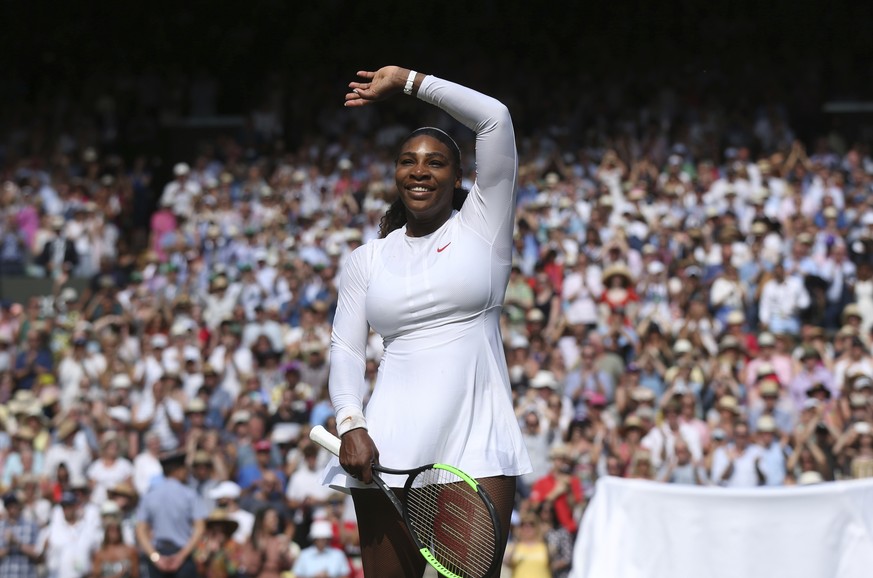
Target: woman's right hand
<point x="358" y="453"/>
<point x="379" y="85"/>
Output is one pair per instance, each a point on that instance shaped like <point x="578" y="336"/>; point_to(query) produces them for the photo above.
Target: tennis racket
<point x="449" y="516"/>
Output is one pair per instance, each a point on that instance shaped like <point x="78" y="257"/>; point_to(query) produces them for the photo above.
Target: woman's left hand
<point x="379" y="85"/>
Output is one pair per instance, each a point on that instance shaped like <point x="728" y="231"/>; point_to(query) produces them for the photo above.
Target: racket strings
<point x="453" y="522"/>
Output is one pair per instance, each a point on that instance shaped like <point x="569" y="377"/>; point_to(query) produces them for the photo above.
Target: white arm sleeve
<point x="491" y="203"/>
<point x="348" y="341"/>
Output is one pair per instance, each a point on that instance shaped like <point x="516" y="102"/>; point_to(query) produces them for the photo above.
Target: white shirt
<point x="782" y="300"/>
<point x="146" y="468"/>
<point x="161" y="416"/>
<point x="661" y="442"/>
<point x="744" y="475"/>
<point x="105" y="476"/>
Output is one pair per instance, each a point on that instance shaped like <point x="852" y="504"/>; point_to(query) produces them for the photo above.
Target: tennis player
<point x="432" y="286"/>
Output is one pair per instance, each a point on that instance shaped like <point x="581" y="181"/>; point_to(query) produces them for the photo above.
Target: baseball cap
<point x="225" y="490"/>
<point x="321" y="529"/>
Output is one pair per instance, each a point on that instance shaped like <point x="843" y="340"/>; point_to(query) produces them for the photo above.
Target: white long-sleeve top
<point x="782" y="300"/>
<point x="442" y="393"/>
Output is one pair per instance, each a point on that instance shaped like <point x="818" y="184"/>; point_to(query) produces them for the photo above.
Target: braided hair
<point x="395" y="217"/>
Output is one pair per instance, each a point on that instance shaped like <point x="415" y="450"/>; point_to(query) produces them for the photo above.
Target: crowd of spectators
<point x="689" y="306"/>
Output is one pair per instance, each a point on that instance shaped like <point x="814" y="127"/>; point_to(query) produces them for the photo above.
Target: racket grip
<point x="325" y="439"/>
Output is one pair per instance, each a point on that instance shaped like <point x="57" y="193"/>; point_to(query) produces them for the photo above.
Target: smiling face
<point x="427" y="174"/>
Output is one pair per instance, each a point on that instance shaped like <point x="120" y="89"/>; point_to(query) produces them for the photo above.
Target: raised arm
<point x="496" y="156"/>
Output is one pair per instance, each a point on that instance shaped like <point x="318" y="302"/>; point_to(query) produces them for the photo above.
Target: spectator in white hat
<point x="180" y="192"/>
<point x="226" y="497"/>
<point x="321" y="559"/>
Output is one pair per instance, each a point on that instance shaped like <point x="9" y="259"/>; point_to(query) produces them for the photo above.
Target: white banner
<point x="641" y="529"/>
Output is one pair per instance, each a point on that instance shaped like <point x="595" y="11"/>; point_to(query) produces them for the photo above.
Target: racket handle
<point x="325" y="439"/>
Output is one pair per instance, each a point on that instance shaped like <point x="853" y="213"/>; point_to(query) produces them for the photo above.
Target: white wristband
<point x="352" y="421"/>
<point x="409" y="80"/>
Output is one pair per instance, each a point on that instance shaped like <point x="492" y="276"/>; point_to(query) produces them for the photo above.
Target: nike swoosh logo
<point x="443" y="248"/>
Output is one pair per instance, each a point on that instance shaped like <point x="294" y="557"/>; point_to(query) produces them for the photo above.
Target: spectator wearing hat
<point x="204" y="478"/>
<point x="262" y="481"/>
<point x="162" y="415"/>
<point x="68" y="451"/>
<point x="109" y="469"/>
<point x="219" y="401"/>
<point x="179" y="194"/>
<point x="149" y="368"/>
<point x="218" y="554"/>
<point x="559" y="489"/>
<point x="23" y="459"/>
<point x="195" y="421"/>
<point x="727" y="293"/>
<point x="79" y="370"/>
<point x="770" y="362"/>
<point x="147" y="468"/>
<point x="682" y="468"/>
<point x="736" y="327"/>
<point x="661" y="440"/>
<point x="772" y="402"/>
<point x="811" y="371"/>
<point x="856" y="361"/>
<point x="114" y="556"/>
<point x="305" y="491"/>
<point x="773" y="463"/>
<point x="738" y="464"/>
<point x="518" y="300"/>
<point x="231" y="360"/>
<point x="226" y="496"/>
<point x="19" y="552"/>
<point x="35" y="506"/>
<point x="170" y="521"/>
<point x="68" y="541"/>
<point x="625" y="442"/>
<point x="535" y="397"/>
<point x="587" y="377"/>
<point x="125" y="498"/>
<point x="59" y="255"/>
<point x="321" y="559"/>
<point x="841" y="274"/>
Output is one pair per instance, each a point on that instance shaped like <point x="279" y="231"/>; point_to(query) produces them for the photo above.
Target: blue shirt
<point x="43" y="359"/>
<point x="170" y="509"/>
<point x="311" y="562"/>
<point x="15" y="564"/>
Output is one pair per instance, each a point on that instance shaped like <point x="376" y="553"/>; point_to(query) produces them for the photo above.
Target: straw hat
<point x="729" y="403"/>
<point x="221" y="518"/>
<point x="67" y="428"/>
<point x="125" y="489"/>
<point x="617" y="270"/>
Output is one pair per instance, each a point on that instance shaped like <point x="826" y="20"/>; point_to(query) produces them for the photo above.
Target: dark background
<point x="542" y="57"/>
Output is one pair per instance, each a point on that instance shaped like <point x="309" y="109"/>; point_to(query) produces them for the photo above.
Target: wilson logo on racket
<point x="449" y="515"/>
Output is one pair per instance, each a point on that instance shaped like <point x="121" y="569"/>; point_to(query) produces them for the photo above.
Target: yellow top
<point x="530" y="560"/>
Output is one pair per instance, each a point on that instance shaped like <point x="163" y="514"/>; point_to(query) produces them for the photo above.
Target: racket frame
<point x="331" y="443"/>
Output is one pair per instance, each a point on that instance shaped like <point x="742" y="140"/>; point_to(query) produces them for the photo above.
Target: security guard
<point x="171" y="521"/>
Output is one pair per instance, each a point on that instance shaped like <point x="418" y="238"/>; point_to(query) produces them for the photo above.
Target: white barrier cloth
<point x="641" y="529"/>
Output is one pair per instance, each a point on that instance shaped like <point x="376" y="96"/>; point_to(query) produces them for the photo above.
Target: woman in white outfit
<point x="432" y="286"/>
